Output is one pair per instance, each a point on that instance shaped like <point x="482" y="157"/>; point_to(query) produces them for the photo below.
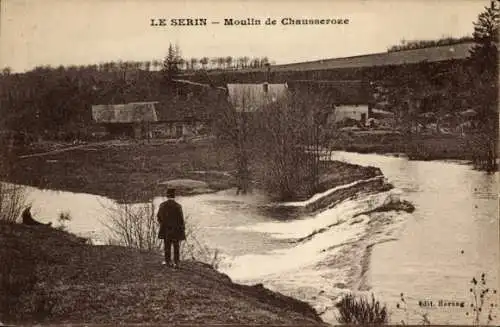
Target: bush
<point x="136" y="226"/>
<point x="63" y="219"/>
<point x="12" y="201"/>
<point x="133" y="225"/>
<point x="354" y="310"/>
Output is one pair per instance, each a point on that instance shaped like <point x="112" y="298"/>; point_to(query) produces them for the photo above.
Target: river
<point x="429" y="255"/>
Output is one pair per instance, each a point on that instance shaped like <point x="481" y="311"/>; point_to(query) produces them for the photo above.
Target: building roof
<point x="430" y="54"/>
<point x="252" y="97"/>
<point x="125" y="113"/>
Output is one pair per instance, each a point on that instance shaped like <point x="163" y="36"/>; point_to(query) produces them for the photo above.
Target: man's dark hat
<point x="170" y="193"/>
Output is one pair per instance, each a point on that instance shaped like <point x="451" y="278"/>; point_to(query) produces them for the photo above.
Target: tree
<point x="245" y="61"/>
<point x="220" y="62"/>
<point x="183" y="64"/>
<point x="194" y="62"/>
<point x="240" y="62"/>
<point x="213" y="62"/>
<point x="171" y="62"/>
<point x="156" y="64"/>
<point x="485" y="51"/>
<point x="229" y="61"/>
<point x="204" y="62"/>
<point x="484" y="59"/>
<point x="6" y="71"/>
<point x="264" y="61"/>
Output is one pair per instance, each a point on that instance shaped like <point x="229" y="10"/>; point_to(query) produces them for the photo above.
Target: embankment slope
<point x="58" y="278"/>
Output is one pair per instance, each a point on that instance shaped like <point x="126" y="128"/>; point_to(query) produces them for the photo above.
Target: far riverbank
<point x="129" y="171"/>
<point x="414" y="146"/>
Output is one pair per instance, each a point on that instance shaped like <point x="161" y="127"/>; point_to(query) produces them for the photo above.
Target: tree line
<point x="420" y="44"/>
<point x="184" y="64"/>
<point x="174" y="61"/>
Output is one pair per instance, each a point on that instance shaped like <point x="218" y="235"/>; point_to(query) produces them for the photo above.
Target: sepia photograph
<point x="249" y="163"/>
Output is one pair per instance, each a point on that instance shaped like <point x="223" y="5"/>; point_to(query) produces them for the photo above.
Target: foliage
<point x="293" y="130"/>
<point x="63" y="219"/>
<point x="12" y="201"/>
<point x="484" y="59"/>
<point x="136" y="226"/>
<point x="420" y="44"/>
<point x="195" y="249"/>
<point x="353" y="310"/>
<point x="172" y="62"/>
<point x="482" y="301"/>
<point x="403" y="305"/>
<point x="133" y="225"/>
<point x="54" y="102"/>
<point x="485" y="51"/>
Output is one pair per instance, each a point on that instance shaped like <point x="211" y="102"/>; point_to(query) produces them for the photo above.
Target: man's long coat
<point x="171" y="221"/>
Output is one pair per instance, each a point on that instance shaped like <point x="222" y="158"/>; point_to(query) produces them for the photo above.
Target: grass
<point x="128" y="171"/>
<point x="132" y="172"/>
<point x="416" y="147"/>
<point x="70" y="281"/>
<point x="12" y="202"/>
<point x="355" y="311"/>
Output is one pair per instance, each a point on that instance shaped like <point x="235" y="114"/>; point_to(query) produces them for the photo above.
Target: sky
<point x="75" y="32"/>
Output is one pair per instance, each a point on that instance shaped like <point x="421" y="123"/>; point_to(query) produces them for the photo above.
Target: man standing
<point x="172" y="229"/>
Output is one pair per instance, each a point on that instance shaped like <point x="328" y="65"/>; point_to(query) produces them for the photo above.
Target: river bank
<point x="414" y="146"/>
<point x="132" y="172"/>
<point x="55" y="277"/>
<point x="354" y="246"/>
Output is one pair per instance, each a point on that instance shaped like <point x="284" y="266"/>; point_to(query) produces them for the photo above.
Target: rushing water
<point x="430" y="254"/>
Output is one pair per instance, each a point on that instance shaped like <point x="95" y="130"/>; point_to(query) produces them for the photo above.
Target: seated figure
<point x="29" y="220"/>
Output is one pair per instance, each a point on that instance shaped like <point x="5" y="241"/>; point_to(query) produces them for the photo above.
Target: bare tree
<point x="136" y="226"/>
<point x="133" y="225"/>
<point x="245" y="61"/>
<point x="264" y="61"/>
<point x="6" y="71"/>
<point x="213" y="62"/>
<point x="279" y="145"/>
<point x="229" y="61"/>
<point x="12" y="201"/>
<point x="220" y="62"/>
<point x="204" y="62"/>
<point x="194" y="62"/>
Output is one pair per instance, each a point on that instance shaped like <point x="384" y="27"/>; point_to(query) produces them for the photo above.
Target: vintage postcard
<point x="246" y="163"/>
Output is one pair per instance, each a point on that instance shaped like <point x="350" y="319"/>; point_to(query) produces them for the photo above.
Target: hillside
<point x="52" y="276"/>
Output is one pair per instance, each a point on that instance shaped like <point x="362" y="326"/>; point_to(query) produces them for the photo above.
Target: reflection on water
<point x="456" y="210"/>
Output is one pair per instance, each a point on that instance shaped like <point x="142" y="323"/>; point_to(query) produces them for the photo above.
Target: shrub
<point x="133" y="225"/>
<point x="136" y="226"/>
<point x="12" y="201"/>
<point x="63" y="219"/>
<point x="354" y="310"/>
<point x="483" y="301"/>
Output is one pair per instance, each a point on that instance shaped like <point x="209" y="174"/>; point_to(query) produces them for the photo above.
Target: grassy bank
<point x="416" y="147"/>
<point x="51" y="276"/>
<point x="124" y="170"/>
<point x="134" y="172"/>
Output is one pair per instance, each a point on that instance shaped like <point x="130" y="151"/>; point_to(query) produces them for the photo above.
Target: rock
<point x="185" y="184"/>
<point x="339" y="285"/>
